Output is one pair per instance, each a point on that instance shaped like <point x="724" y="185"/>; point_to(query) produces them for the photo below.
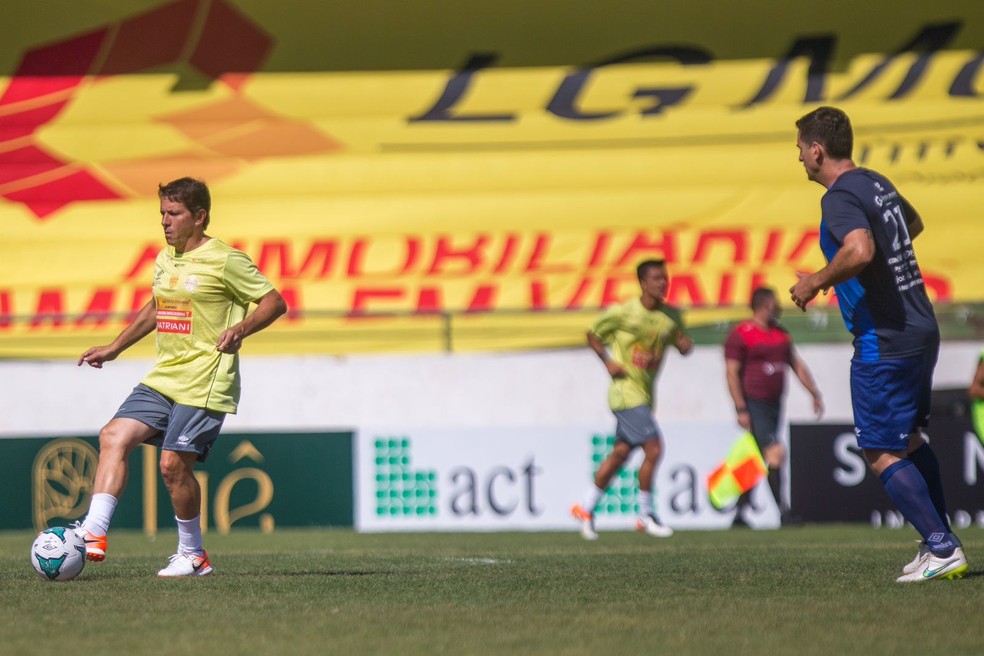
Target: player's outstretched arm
<point x="142" y="325"/>
<point x="268" y="309"/>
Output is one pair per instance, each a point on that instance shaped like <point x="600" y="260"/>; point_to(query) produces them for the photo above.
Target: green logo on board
<point x="400" y="490"/>
<point x="622" y="495"/>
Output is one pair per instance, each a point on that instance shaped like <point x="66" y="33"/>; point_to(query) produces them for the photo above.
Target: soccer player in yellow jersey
<point x="202" y="289"/>
<point x="631" y="339"/>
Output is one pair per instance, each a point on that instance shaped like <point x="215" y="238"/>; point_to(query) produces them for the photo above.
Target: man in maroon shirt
<point x="757" y="353"/>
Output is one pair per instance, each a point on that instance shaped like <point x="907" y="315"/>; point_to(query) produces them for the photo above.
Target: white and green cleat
<point x="931" y="566"/>
<point x="913" y="565"/>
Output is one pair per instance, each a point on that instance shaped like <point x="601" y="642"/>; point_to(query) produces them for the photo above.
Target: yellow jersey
<point x="199" y="294"/>
<point x="637" y="339"/>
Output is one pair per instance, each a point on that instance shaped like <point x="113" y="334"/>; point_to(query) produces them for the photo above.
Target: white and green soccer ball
<point x="58" y="554"/>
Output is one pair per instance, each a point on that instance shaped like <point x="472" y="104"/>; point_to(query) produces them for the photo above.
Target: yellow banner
<point x="462" y="159"/>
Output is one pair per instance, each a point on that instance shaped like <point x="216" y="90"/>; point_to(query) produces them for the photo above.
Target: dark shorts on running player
<point x="764" y="416"/>
<point x="891" y="399"/>
<point x="634" y="426"/>
<point x="182" y="427"/>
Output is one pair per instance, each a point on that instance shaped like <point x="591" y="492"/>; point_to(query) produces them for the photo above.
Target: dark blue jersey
<point x="885" y="306"/>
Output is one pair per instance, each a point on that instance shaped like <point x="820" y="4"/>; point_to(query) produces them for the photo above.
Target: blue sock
<point x="908" y="490"/>
<point x="924" y="458"/>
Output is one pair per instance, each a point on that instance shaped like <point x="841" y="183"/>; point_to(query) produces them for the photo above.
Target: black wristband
<point x="741" y="410"/>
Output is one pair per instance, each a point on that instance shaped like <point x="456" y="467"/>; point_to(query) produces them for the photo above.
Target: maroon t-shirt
<point x="763" y="354"/>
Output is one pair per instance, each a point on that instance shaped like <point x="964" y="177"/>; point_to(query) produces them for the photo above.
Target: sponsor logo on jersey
<point x="174" y="315"/>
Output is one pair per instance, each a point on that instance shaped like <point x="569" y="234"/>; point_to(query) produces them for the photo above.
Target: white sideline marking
<point x="481" y="561"/>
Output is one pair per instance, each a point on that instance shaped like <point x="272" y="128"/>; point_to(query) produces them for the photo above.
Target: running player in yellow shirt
<point x="202" y="289"/>
<point x="631" y="339"/>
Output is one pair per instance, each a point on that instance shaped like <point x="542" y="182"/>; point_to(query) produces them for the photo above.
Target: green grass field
<point x="809" y="590"/>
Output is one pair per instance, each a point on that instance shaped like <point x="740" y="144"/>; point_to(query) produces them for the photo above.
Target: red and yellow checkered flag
<point x="740" y="472"/>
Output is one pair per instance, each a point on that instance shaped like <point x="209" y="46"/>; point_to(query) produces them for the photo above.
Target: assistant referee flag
<point x="740" y="472"/>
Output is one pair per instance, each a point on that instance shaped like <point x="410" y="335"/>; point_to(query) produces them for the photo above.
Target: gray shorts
<point x="182" y="427"/>
<point x="764" y="416"/>
<point x="634" y="426"/>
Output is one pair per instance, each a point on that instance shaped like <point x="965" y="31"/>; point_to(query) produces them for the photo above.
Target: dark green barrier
<point x="250" y="480"/>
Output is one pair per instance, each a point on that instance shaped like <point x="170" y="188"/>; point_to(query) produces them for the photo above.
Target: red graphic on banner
<point x="218" y="42"/>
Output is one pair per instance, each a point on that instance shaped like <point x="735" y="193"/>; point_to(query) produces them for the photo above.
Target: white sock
<point x="100" y="513"/>
<point x="646" y="503"/>
<point x="190" y="536"/>
<point x="592" y="498"/>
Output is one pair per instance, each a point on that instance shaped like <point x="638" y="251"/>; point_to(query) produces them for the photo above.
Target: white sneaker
<point x="187" y="565"/>
<point x="586" y="520"/>
<point x="936" y="567"/>
<point x="914" y="565"/>
<point x="651" y="525"/>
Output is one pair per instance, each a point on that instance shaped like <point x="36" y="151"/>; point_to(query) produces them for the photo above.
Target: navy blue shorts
<point x="891" y="399"/>
<point x="182" y="427"/>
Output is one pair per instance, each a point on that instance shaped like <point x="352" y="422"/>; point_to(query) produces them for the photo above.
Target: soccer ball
<point x="58" y="554"/>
